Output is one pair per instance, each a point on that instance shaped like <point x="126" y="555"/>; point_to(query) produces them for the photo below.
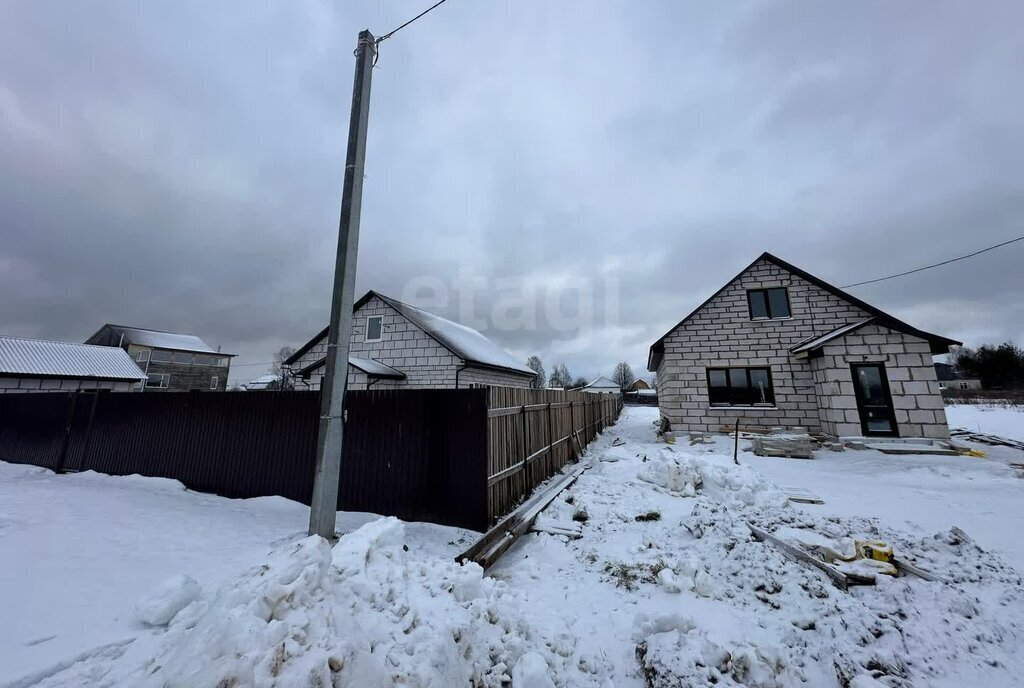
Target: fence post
<point x="550" y="440"/>
<point x="526" y="454"/>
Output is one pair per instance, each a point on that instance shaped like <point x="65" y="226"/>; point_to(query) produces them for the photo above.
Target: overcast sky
<point x="178" y="165"/>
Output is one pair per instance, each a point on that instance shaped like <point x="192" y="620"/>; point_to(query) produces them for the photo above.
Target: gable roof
<point x="21" y="357"/>
<point x="464" y="342"/>
<point x="938" y="343"/>
<point x="602" y="383"/>
<point x="158" y="339"/>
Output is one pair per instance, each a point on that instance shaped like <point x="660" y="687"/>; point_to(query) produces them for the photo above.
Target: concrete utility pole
<point x="332" y="391"/>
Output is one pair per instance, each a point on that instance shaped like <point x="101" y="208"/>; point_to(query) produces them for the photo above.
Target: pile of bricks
<point x="795" y="443"/>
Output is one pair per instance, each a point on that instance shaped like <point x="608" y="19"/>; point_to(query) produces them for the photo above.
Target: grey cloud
<point x="179" y="166"/>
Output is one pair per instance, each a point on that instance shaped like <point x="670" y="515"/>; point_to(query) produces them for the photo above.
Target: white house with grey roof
<point x="777" y="346"/>
<point x="39" y="365"/>
<point x="395" y="345"/>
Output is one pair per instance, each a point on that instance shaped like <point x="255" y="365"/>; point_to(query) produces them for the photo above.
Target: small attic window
<point x="768" y="304"/>
<point x="374" y="328"/>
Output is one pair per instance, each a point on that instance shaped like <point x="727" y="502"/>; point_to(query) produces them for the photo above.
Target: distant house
<point x="637" y="385"/>
<point x="949" y="378"/>
<point x="395" y="345"/>
<point x="39" y="365"/>
<point x="261" y="383"/>
<point x="172" y="362"/>
<point x="602" y="385"/>
<point x="777" y="346"/>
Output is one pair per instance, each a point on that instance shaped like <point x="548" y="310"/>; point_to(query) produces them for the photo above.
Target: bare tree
<point x="579" y="382"/>
<point x="535" y="364"/>
<point x="278" y="368"/>
<point x="623" y="375"/>
<point x="560" y="377"/>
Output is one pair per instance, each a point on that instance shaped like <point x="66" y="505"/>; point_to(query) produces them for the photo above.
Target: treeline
<point x="998" y="367"/>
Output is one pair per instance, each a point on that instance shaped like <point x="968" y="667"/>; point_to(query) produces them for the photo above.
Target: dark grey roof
<point x="367" y="365"/>
<point x="464" y="342"/>
<point x="375" y="368"/>
<point x="818" y="342"/>
<point x="42" y="358"/>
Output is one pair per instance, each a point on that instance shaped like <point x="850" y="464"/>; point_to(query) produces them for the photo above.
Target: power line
<point x="935" y="265"/>
<point x="394" y="31"/>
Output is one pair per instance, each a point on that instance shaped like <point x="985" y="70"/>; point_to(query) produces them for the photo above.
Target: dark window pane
<point x="718" y="387"/>
<point x="870" y="381"/>
<point x="161" y="356"/>
<point x="761" y="386"/>
<point x="738" y="377"/>
<point x="373" y="327"/>
<point x="740" y="387"/>
<point x="778" y="303"/>
<point x="183" y="358"/>
<point x="758" y="303"/>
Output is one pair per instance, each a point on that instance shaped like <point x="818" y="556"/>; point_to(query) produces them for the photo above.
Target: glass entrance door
<point x="874" y="403"/>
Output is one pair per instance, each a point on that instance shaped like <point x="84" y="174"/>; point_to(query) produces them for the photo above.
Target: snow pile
<point x="900" y="631"/>
<point x="674" y="652"/>
<point x="173" y="595"/>
<point x="363" y="614"/>
<point x="687" y="474"/>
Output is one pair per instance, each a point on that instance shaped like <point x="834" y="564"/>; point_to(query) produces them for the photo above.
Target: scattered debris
<point x="649" y="516"/>
<point x="618" y="442"/>
<point x="840" y="579"/>
<point x="985" y="438"/>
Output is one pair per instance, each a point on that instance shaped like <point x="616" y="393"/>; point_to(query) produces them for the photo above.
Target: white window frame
<point x="142" y="356"/>
<point x="214" y="381"/>
<point x="366" y="333"/>
<point x="165" y="381"/>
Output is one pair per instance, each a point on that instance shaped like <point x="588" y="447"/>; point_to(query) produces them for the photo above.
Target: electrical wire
<point x="394" y="31"/>
<point x="935" y="265"/>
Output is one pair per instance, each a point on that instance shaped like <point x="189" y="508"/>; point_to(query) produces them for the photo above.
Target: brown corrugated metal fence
<point x="457" y="457"/>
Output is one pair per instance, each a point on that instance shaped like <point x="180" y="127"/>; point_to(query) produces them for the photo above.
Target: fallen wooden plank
<point x="498" y="539"/>
<point x="571" y="533"/>
<point x="907" y="567"/>
<point x="841" y="580"/>
<point x="801" y="495"/>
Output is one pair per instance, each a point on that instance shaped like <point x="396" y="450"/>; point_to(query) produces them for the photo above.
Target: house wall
<point x="11" y="385"/>
<point x="403" y="346"/>
<point x="722" y="334"/>
<point x="185" y="377"/>
<point x="486" y="376"/>
<point x="913" y="383"/>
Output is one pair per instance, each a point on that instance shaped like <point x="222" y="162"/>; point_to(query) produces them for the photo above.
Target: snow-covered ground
<point x="138" y="582"/>
<point x="991" y="419"/>
<point x="79" y="551"/>
<point x="744" y="615"/>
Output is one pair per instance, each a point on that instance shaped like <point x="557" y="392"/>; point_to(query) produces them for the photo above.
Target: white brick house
<point x="395" y="345"/>
<point x="777" y="346"/>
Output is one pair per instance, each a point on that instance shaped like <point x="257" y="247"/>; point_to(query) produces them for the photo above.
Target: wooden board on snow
<point x="802" y="496"/>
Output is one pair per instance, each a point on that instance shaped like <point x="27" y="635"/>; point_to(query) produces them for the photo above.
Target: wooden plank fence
<point x="533" y="433"/>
